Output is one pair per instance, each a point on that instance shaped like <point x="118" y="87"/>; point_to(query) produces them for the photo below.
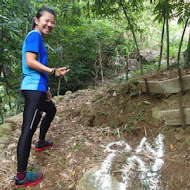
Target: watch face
<point x="57" y="73"/>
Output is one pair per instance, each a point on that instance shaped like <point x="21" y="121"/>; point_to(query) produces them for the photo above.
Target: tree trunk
<point x="127" y="70"/>
<point x="180" y="45"/>
<point x="100" y="62"/>
<point x="59" y="83"/>
<point x="1" y="114"/>
<point x="161" y="45"/>
<point x="18" y="102"/>
<point x="167" y="31"/>
<point x="95" y="72"/>
<point x="187" y="57"/>
<point x="5" y="83"/>
<point x="19" y="93"/>
<point x="134" y="37"/>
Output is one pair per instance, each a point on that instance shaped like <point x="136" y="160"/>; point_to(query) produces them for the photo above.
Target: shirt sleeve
<point x="33" y="42"/>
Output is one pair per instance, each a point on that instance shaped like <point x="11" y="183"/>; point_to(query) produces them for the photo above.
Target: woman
<point x="37" y="96"/>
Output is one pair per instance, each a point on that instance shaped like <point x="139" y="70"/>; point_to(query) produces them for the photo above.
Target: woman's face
<point x="45" y="24"/>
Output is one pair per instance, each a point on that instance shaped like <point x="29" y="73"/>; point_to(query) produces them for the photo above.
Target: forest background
<point x="95" y="39"/>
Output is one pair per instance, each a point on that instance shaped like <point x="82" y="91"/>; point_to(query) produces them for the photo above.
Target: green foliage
<point x="84" y="31"/>
<point x="133" y="86"/>
<point x="177" y="9"/>
<point x="78" y="146"/>
<point x="73" y="43"/>
<point x="80" y="50"/>
<point x="33" y="169"/>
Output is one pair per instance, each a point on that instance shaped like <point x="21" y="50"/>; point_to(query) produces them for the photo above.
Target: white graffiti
<point x="135" y="164"/>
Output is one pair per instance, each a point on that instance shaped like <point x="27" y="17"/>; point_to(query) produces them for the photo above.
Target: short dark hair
<point x="40" y="12"/>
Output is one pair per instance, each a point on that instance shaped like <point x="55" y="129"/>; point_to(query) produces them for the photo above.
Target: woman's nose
<point x="49" y="24"/>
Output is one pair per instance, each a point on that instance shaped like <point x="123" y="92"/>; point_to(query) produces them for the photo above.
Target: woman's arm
<point x="34" y="64"/>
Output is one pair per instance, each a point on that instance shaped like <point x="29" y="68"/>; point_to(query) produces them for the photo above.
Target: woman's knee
<point x="52" y="109"/>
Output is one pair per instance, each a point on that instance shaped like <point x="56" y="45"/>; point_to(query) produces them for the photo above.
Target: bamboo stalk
<point x="181" y="41"/>
<point x="100" y="61"/>
<point x="127" y="70"/>
<point x="161" y="45"/>
<point x="133" y="33"/>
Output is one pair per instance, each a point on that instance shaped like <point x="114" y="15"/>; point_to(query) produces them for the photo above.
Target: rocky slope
<point x="87" y="121"/>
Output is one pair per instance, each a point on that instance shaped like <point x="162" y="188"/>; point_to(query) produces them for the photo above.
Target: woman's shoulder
<point x="34" y="32"/>
<point x="33" y="35"/>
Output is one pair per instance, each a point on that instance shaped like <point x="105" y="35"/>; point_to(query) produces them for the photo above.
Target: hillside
<point x="87" y="121"/>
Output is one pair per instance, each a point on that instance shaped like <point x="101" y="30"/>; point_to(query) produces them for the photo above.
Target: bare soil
<point x="87" y="120"/>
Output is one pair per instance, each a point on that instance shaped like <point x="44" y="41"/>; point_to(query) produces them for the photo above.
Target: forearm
<point x="34" y="64"/>
<point x="31" y="61"/>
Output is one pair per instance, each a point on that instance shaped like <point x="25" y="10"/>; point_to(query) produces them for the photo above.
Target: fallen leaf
<point x="71" y="186"/>
<point x="146" y="102"/>
<point x="41" y="185"/>
<point x="64" y="175"/>
<point x="115" y="94"/>
<point x="73" y="173"/>
<point x="171" y="146"/>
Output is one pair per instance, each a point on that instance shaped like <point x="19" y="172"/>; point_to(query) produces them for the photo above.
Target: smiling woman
<point x="35" y="89"/>
<point x="45" y="24"/>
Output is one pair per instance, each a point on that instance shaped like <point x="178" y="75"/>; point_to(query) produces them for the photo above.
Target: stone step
<point x="169" y="86"/>
<point x="173" y="118"/>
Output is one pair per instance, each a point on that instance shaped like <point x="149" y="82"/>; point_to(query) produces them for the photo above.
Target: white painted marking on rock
<point x="103" y="176"/>
<point x="135" y="164"/>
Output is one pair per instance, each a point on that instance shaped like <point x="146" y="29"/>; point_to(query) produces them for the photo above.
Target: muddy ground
<point x="87" y="120"/>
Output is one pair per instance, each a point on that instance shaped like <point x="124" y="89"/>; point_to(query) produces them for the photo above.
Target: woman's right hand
<point x="63" y="71"/>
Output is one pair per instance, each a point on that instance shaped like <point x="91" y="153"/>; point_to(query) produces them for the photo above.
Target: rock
<point x="156" y="113"/>
<point x="5" y="139"/>
<point x="68" y="93"/>
<point x="2" y="146"/>
<point x="6" y="128"/>
<point x="15" y="119"/>
<point x="57" y="99"/>
<point x="149" y="55"/>
<point x="87" y="182"/>
<point x="133" y="64"/>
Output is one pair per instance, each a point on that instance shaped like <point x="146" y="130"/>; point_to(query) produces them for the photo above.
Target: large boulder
<point x="88" y="182"/>
<point x="6" y="128"/>
<point x="149" y="55"/>
<point x="15" y="119"/>
<point x="57" y="99"/>
<point x="5" y="139"/>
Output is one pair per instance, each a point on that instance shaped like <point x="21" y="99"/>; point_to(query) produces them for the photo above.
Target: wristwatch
<point x="55" y="72"/>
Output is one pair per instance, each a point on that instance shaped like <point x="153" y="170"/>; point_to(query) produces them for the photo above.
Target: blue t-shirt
<point x="33" y="79"/>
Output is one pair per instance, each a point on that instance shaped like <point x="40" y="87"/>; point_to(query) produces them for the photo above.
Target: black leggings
<point x="35" y="105"/>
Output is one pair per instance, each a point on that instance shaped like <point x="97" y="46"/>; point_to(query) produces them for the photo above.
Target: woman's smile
<point x="45" y="24"/>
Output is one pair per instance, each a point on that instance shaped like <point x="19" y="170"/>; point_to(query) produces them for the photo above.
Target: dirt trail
<point x="86" y="121"/>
